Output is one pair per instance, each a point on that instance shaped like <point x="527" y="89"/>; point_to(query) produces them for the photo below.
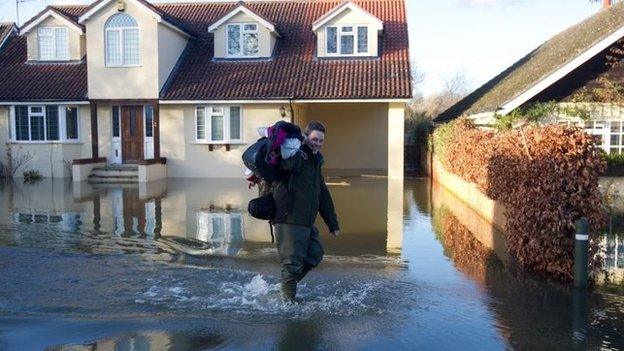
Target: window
<point x="44" y="123"/>
<point x="341" y="40"/>
<point x="52" y="42"/>
<point x="121" y="35"/>
<point x="116" y="121"/>
<point x="218" y="124"/>
<point x="71" y="123"/>
<point x="242" y="40"/>
<point x="149" y="121"/>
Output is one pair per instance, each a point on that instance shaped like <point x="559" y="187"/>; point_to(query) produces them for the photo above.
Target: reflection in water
<point x="146" y="341"/>
<point x="197" y="216"/>
<point x="531" y="312"/>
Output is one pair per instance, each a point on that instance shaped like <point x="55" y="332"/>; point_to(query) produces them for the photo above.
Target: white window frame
<point x="121" y="49"/>
<point x="355" y="27"/>
<point x="205" y="220"/>
<point x="62" y="124"/>
<point x="241" y="40"/>
<point x="65" y="55"/>
<point x="208" y="114"/>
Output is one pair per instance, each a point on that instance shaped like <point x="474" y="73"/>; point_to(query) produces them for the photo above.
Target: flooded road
<point x="179" y="265"/>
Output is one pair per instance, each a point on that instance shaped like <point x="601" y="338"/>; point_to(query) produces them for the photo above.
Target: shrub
<point x="545" y="177"/>
<point x="32" y="175"/>
<point x="614" y="159"/>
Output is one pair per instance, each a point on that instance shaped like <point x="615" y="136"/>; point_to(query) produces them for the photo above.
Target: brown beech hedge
<point x="546" y="177"/>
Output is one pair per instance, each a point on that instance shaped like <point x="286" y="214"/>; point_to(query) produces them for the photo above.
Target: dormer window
<point x="242" y="40"/>
<point x="121" y="34"/>
<point x="342" y="39"/>
<point x="52" y="44"/>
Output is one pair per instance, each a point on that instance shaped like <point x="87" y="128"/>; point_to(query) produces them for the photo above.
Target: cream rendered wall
<point x="170" y="47"/>
<point x="265" y="43"/>
<point x="187" y="158"/>
<point x="75" y="39"/>
<point x="139" y="82"/>
<point x="105" y="130"/>
<point x="357" y="135"/>
<point x="351" y="17"/>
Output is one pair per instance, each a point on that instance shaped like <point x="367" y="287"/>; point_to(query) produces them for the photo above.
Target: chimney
<point x="606" y="3"/>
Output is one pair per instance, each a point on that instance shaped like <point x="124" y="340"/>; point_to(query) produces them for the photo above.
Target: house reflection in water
<point x="207" y="213"/>
<point x="147" y="341"/>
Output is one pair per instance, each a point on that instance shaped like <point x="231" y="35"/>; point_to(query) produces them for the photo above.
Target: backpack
<point x="263" y="156"/>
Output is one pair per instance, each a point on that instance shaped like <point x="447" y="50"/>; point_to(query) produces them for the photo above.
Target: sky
<point x="474" y="38"/>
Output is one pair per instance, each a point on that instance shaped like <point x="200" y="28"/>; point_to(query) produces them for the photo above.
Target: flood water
<point x="179" y="265"/>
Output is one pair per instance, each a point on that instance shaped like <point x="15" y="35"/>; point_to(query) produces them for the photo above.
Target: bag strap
<point x="272" y="236"/>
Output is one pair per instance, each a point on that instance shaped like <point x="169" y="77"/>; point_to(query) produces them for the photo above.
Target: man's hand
<point x="335" y="233"/>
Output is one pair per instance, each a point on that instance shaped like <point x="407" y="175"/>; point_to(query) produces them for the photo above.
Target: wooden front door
<point x="132" y="134"/>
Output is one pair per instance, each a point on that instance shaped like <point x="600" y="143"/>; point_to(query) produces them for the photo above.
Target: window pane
<point x="362" y="39"/>
<point x="46" y="43"/>
<point x="52" y="123"/>
<point x="36" y="128"/>
<point x="149" y="119"/>
<point x="615" y="150"/>
<point x="218" y="228"/>
<point x="615" y="139"/>
<point x="233" y="36"/>
<point x="332" y="40"/>
<point x="346" y="44"/>
<point x="249" y="27"/>
<point x="71" y="122"/>
<point x="21" y="123"/>
<point x="113" y="48"/>
<point x="36" y="109"/>
<point x="60" y="38"/>
<point x="250" y="42"/>
<point x="201" y="123"/>
<point x="615" y="127"/>
<point x="348" y="29"/>
<point x="235" y="123"/>
<point x="131" y="46"/>
<point x="217" y="128"/>
<point x="236" y="228"/>
<point x="116" y="121"/>
<point x="121" y="20"/>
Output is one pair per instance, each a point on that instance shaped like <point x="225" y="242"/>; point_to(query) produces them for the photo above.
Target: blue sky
<point x="477" y="38"/>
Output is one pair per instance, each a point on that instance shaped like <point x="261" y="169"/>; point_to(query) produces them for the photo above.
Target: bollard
<point x="581" y="253"/>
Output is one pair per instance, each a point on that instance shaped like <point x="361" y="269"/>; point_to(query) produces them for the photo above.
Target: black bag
<point x="262" y="207"/>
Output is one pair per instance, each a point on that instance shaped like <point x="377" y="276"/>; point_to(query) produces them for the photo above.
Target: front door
<point x="132" y="134"/>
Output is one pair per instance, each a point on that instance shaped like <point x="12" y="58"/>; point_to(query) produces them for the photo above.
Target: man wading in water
<point x="298" y="199"/>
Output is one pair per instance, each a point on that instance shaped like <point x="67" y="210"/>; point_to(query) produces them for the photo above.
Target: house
<point x="567" y="69"/>
<point x="180" y="89"/>
<point x="6" y="29"/>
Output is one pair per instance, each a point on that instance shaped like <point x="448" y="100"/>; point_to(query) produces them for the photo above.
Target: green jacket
<point x="303" y="194"/>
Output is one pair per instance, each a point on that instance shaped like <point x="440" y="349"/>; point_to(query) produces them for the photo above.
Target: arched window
<point x="121" y="35"/>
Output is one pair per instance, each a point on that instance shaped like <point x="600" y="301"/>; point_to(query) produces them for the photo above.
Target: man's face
<point x="315" y="140"/>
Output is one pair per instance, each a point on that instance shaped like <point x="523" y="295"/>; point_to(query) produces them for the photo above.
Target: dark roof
<point x="539" y="64"/>
<point x="6" y="29"/>
<point x="68" y="14"/>
<point x="22" y="81"/>
<point x="293" y="71"/>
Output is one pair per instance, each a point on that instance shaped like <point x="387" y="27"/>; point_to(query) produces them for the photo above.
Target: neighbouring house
<point x="6" y="29"/>
<point x="180" y="89"/>
<point x="580" y="67"/>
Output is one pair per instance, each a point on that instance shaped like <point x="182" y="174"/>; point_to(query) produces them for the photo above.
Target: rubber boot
<point x="289" y="291"/>
<point x="306" y="268"/>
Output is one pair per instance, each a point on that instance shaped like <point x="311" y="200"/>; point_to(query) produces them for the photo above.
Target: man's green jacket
<point x="303" y="194"/>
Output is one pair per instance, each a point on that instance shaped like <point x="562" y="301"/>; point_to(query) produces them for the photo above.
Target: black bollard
<point x="581" y="253"/>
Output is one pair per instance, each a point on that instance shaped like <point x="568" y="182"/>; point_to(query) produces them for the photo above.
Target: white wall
<point x="170" y="47"/>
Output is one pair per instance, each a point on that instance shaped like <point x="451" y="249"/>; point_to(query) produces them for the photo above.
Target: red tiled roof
<point x="22" y="81"/>
<point x="293" y="71"/>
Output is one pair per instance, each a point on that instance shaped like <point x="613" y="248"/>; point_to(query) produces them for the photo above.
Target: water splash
<point x="260" y="295"/>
